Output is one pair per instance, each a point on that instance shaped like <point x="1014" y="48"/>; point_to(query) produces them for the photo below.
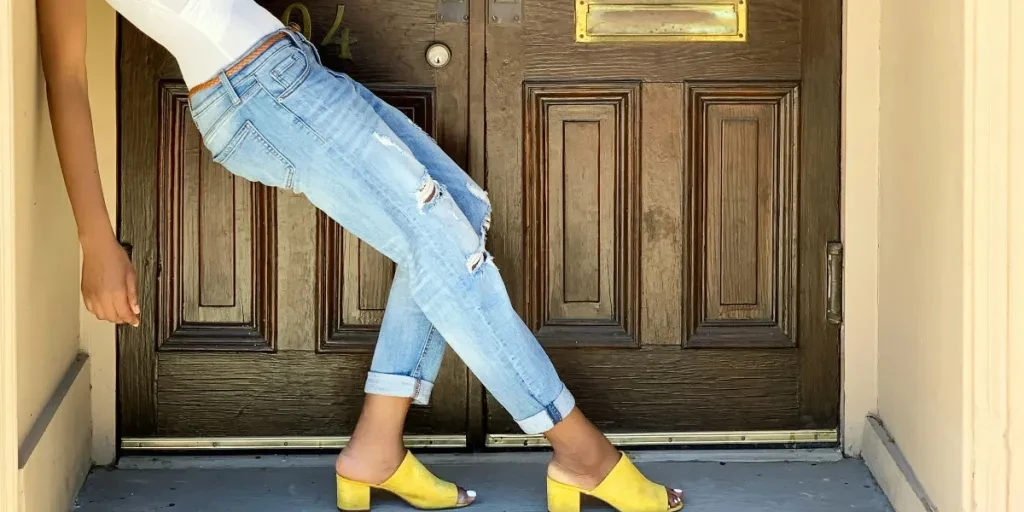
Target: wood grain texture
<point x="285" y="394"/>
<point x="504" y="153"/>
<point x="666" y="389"/>
<point x="215" y="221"/>
<point x="476" y="160"/>
<point x="772" y="51"/>
<point x="578" y="207"/>
<point x="758" y="221"/>
<point x="481" y="114"/>
<point x="661" y="218"/>
<point x="453" y="97"/>
<point x="743" y="229"/>
<point x="217" y="241"/>
<point x="296" y="281"/>
<point x="139" y="143"/>
<point x="605" y="207"/>
<point x="386" y="38"/>
<point x="819" y="216"/>
<point x="212" y="393"/>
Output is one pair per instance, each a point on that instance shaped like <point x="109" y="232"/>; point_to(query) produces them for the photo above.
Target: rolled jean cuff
<point x="402" y="386"/>
<point x="552" y="414"/>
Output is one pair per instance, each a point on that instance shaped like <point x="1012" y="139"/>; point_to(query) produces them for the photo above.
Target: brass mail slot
<point x="627" y="21"/>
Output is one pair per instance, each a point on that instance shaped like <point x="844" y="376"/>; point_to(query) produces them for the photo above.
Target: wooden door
<point x="662" y="212"/>
<point x="260" y="314"/>
<point x="663" y="209"/>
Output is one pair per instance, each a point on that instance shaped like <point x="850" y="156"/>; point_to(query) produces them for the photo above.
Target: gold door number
<point x="336" y="35"/>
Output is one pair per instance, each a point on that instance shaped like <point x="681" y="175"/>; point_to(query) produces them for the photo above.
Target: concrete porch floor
<point x="774" y="480"/>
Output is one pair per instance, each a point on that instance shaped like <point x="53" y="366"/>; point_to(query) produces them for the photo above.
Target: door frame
<point x="823" y="64"/>
<point x="8" y="341"/>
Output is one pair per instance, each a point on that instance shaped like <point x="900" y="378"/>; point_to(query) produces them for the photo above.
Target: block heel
<point x="353" y="496"/>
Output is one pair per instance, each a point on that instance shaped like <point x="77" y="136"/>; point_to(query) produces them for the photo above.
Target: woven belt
<point x="238" y="66"/>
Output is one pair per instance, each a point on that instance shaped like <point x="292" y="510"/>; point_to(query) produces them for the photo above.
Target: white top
<point x="205" y="36"/>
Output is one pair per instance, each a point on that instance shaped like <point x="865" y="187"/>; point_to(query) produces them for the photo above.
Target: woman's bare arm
<point x="108" y="279"/>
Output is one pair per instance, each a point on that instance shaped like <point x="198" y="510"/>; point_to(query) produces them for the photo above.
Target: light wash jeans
<point x="287" y="121"/>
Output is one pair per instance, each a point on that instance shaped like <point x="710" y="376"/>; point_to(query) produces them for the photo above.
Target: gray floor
<point x="506" y="483"/>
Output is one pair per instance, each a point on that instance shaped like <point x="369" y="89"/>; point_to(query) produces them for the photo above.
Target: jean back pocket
<point x="251" y="156"/>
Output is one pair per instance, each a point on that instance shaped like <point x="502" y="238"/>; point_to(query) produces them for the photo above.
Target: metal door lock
<point x="439" y="55"/>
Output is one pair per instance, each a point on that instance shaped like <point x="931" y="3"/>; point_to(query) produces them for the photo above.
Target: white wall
<point x="921" y="236"/>
<point x="46" y="293"/>
<point x="860" y="138"/>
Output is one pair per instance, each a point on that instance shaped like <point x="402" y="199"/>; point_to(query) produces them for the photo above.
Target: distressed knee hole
<point x="487" y="223"/>
<point x="477" y="260"/>
<point x="428" y="194"/>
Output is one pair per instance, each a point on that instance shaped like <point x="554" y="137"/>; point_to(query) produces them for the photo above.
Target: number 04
<point x="343" y="40"/>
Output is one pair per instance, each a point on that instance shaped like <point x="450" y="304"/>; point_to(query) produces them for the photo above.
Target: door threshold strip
<point x="789" y="438"/>
<point x="212" y="460"/>
<point x="764" y="438"/>
<point x="274" y="443"/>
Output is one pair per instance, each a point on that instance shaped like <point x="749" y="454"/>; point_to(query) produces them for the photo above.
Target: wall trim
<point x="861" y="96"/>
<point x="42" y="423"/>
<point x="57" y="465"/>
<point x="892" y="470"/>
<point x="8" y="354"/>
<point x="992" y="194"/>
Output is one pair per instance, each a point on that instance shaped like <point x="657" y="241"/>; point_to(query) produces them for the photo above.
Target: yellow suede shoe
<point x="412" y="482"/>
<point x="625" y="489"/>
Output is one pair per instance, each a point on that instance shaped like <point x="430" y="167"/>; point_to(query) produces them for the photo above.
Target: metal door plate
<point x="453" y="11"/>
<point x="505" y="11"/>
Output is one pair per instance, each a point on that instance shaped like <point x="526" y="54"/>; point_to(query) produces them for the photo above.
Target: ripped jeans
<point x="286" y="121"/>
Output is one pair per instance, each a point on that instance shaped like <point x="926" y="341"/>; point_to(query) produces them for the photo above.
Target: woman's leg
<point x="409" y="350"/>
<point x="583" y="456"/>
<point x="291" y="123"/>
<point x="405" y="365"/>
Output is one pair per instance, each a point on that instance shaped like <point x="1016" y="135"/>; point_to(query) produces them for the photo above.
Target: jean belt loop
<point x="226" y="83"/>
<point x="295" y="33"/>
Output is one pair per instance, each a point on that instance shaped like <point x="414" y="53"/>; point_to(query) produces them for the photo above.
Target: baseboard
<point x="56" y="454"/>
<point x="892" y="470"/>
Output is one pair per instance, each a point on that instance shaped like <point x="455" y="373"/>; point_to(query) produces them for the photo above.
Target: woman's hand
<point x="109" y="284"/>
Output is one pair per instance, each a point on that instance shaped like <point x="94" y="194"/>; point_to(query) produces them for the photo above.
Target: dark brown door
<point x="662" y="212"/>
<point x="260" y="313"/>
<point x="664" y="208"/>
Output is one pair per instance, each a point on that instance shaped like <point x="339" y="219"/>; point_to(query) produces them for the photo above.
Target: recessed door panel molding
<point x="353" y="279"/>
<point x="742" y="236"/>
<point x="582" y="197"/>
<point x="217" y="250"/>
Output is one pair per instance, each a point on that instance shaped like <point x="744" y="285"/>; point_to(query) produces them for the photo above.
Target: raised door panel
<point x="580" y="204"/>
<point x="742" y="231"/>
<point x="217" y="244"/>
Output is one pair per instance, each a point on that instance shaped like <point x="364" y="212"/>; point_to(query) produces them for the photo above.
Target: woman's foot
<point x="584" y="456"/>
<point x="588" y="478"/>
<point x="375" y="467"/>
<point x="376" y="450"/>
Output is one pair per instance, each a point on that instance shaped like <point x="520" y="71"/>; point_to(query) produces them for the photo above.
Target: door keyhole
<point x="439" y="55"/>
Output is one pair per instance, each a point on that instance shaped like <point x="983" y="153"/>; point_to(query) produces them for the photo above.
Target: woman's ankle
<point x="585" y="468"/>
<point x="370" y="464"/>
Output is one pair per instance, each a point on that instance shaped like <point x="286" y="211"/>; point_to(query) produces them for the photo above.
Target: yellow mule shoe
<point x="625" y="489"/>
<point x="412" y="482"/>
